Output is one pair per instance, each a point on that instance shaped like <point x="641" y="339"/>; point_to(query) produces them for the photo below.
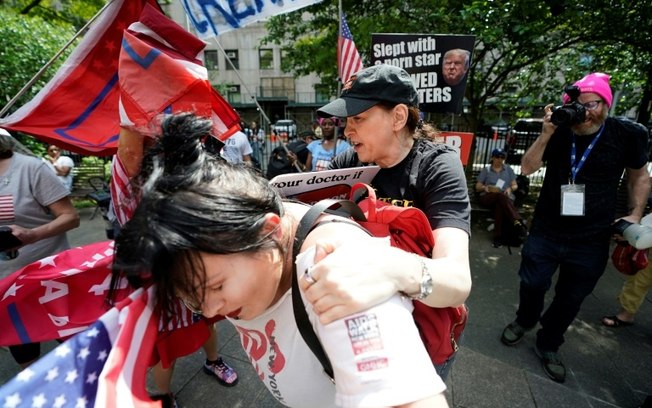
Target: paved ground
<point x="606" y="367"/>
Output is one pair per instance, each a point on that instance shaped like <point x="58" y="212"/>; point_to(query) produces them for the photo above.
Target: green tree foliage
<point x="26" y="45"/>
<point x="31" y="34"/>
<point x="70" y="12"/>
<point x="525" y="52"/>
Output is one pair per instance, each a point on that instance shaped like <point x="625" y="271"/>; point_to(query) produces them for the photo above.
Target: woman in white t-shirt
<point x="220" y="238"/>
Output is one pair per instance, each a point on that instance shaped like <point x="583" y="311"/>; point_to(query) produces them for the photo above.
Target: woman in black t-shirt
<point x="384" y="127"/>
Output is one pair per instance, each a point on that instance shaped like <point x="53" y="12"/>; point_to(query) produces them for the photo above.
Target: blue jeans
<point x="581" y="264"/>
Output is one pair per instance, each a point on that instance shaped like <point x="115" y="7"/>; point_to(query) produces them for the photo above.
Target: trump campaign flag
<point x="57" y="296"/>
<point x="104" y="366"/>
<point x="78" y="108"/>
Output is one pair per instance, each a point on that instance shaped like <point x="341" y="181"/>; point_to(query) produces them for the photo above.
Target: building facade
<point x="248" y="75"/>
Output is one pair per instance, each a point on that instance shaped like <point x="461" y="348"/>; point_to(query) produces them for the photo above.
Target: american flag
<point x="348" y="58"/>
<point x="7" y="207"/>
<point x="104" y="366"/>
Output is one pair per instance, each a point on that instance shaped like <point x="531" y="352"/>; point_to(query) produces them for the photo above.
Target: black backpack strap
<point x="345" y="208"/>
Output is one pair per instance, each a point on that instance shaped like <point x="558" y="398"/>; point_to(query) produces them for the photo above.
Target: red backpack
<point x="408" y="228"/>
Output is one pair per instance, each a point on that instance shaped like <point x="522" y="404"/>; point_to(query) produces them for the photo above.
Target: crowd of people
<point x="231" y="253"/>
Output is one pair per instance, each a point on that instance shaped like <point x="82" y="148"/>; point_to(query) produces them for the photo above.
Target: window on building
<point x="232" y="55"/>
<point x="283" y="61"/>
<point x="322" y="94"/>
<point x="266" y="58"/>
<point x="210" y="60"/>
<point x="277" y="87"/>
<point x="233" y="94"/>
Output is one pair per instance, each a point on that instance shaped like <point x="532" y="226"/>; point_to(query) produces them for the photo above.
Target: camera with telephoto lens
<point x="570" y="113"/>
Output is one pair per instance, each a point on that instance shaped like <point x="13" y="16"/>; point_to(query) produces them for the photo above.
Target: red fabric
<point x="122" y="198"/>
<point x="158" y="54"/>
<point x="42" y="301"/>
<point x="78" y="107"/>
<point x="629" y="260"/>
<point x="161" y="54"/>
<point x="104" y="366"/>
<point x="123" y="378"/>
<point x="409" y="229"/>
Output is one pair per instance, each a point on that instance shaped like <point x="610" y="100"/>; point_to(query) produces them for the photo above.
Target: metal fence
<point x="483" y="144"/>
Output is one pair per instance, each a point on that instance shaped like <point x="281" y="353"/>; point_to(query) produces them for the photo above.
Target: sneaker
<point x="552" y="364"/>
<point x="513" y="334"/>
<point x="224" y="373"/>
<point x="497" y="243"/>
<point x="167" y="400"/>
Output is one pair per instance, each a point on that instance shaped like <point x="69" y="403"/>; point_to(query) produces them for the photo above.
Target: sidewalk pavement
<point x="605" y="367"/>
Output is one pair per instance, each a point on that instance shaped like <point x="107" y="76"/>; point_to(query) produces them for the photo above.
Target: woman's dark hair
<point x="416" y="126"/>
<point x="190" y="202"/>
<point x="6" y="146"/>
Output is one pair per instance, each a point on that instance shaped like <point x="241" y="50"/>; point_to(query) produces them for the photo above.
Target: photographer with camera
<point x="585" y="152"/>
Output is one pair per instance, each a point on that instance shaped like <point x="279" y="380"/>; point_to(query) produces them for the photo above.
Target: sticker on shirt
<point x="572" y="199"/>
<point x="500" y="183"/>
<point x="364" y="333"/>
<point x="366" y="339"/>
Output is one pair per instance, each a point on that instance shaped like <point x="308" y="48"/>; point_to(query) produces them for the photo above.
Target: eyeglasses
<point x="500" y="157"/>
<point x="592" y="105"/>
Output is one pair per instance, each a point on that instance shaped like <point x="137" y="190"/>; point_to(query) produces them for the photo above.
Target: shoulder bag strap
<point x="300" y="315"/>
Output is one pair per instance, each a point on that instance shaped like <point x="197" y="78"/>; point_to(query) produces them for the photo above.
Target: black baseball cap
<point x="367" y="87"/>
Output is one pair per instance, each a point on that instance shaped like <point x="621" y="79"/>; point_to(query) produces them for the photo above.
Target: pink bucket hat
<point x="597" y="83"/>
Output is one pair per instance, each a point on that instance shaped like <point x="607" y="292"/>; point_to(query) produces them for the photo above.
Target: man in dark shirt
<point x="571" y="229"/>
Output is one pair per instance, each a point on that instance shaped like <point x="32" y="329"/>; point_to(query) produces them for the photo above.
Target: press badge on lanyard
<point x="573" y="195"/>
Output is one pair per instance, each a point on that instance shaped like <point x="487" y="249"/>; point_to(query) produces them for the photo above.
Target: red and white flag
<point x="348" y="58"/>
<point x="103" y="367"/>
<point x="78" y="108"/>
<point x="62" y="295"/>
<point x="161" y="70"/>
<point x="41" y="301"/>
<point x="158" y="54"/>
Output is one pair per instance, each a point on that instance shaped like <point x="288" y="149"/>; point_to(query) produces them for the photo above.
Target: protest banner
<point x="440" y="78"/>
<point x="311" y="187"/>
<point x="214" y="17"/>
<point x="461" y="141"/>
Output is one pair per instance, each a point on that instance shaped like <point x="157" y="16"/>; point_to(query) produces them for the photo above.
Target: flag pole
<point x="339" y="50"/>
<point x="40" y="73"/>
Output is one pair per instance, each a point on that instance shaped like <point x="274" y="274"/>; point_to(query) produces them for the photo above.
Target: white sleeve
<point x="378" y="357"/>
<point x="66" y="161"/>
<point x="245" y="146"/>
